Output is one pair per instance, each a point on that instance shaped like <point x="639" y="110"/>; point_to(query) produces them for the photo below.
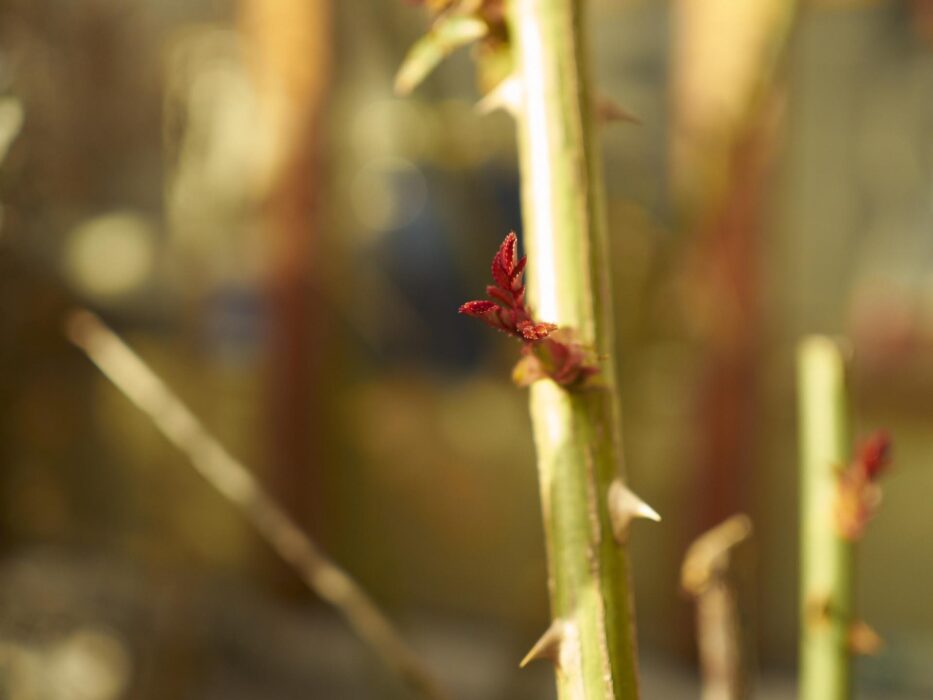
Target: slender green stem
<point x="576" y="432"/>
<point x="826" y="559"/>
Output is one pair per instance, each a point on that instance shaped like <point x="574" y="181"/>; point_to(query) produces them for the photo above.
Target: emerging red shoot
<point x="859" y="492"/>
<point x="546" y="352"/>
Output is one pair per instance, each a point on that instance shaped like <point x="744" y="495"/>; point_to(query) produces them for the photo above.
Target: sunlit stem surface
<point x="576" y="432"/>
<point x="826" y="559"/>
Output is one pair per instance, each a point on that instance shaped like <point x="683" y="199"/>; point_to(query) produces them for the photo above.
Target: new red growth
<point x="508" y="312"/>
<point x="874" y="455"/>
<point x="859" y="493"/>
<point x="548" y="352"/>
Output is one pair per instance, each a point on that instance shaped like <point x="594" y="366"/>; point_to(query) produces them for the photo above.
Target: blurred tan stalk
<point x="705" y="576"/>
<point x="127" y="371"/>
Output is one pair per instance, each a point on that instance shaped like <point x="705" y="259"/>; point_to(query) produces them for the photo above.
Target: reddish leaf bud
<point x="562" y="359"/>
<point x="477" y="308"/>
<point x="874" y="455"/>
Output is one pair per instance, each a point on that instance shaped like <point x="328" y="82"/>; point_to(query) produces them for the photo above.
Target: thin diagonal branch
<point x="127" y="371"/>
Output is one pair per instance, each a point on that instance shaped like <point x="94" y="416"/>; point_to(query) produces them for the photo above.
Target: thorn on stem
<point x="625" y="506"/>
<point x="608" y="110"/>
<point x="507" y="96"/>
<point x="548" y="645"/>
<point x="863" y="639"/>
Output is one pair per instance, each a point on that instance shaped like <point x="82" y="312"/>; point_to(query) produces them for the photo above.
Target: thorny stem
<point x="576" y="432"/>
<point x="826" y="558"/>
<point x="126" y="370"/>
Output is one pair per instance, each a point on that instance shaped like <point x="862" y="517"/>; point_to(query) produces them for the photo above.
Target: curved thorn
<point x="507" y="96"/>
<point x="608" y="110"/>
<point x="863" y="639"/>
<point x="625" y="506"/>
<point x="548" y="645"/>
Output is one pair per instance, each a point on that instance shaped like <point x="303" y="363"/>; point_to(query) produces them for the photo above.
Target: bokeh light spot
<point x="110" y="255"/>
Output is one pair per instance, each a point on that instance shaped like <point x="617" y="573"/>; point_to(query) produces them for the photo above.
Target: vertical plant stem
<point x="826" y="559"/>
<point x="576" y="432"/>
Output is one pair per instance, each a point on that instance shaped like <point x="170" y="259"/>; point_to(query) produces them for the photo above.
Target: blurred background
<point x="233" y="186"/>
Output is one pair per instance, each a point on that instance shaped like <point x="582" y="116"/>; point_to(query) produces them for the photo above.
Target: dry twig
<point x="127" y="371"/>
<point x="705" y="577"/>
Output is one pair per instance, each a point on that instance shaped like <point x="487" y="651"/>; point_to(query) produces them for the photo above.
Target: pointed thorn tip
<point x="507" y="96"/>
<point x="625" y="506"/>
<point x="547" y="646"/>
